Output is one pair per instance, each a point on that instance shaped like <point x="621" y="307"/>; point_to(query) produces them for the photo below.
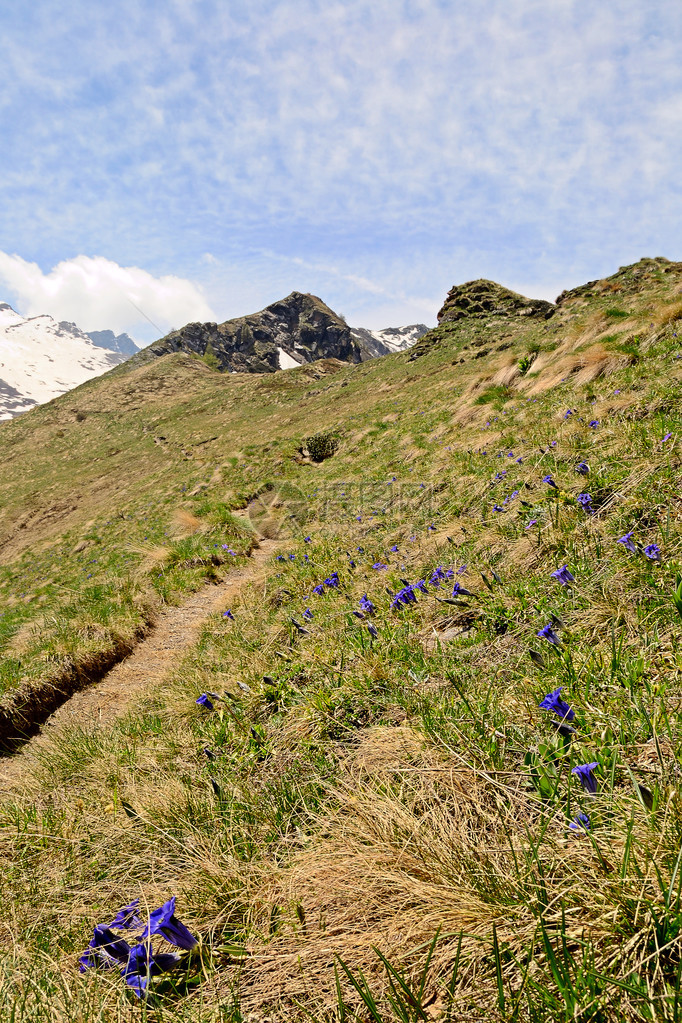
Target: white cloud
<point x="98" y="294"/>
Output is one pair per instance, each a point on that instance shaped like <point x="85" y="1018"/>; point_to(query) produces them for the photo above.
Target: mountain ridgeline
<point x="288" y="333"/>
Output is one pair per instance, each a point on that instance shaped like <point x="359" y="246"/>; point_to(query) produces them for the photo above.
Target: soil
<point x="144" y="670"/>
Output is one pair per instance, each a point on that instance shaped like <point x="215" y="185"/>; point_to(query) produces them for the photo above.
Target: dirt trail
<point x="144" y="670"/>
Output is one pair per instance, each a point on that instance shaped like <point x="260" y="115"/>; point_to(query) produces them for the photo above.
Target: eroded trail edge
<point x="135" y="672"/>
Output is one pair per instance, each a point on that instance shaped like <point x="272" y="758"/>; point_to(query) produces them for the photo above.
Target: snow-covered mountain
<point x="122" y="343"/>
<point x="390" y="339"/>
<point x="40" y="358"/>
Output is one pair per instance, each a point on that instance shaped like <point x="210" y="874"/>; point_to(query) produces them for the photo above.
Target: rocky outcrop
<point x="296" y="330"/>
<point x="484" y="299"/>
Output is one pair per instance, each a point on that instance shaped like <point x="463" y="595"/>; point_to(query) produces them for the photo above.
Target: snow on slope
<point x="388" y="340"/>
<point x="40" y="358"/>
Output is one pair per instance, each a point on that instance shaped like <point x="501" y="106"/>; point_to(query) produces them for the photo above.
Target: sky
<point x="174" y="160"/>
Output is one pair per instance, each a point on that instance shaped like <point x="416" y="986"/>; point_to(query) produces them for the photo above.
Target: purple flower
<point x="378" y="566"/>
<point x="497" y="508"/>
<point x="127" y="917"/>
<point x="204" y="701"/>
<point x="319" y="589"/>
<point x="568" y="413"/>
<point x="306" y="539"/>
<point x="292" y="557"/>
<point x="653" y="552"/>
<point x="667" y="437"/>
<point x="105" y="950"/>
<point x="563" y="575"/>
<point x="585" y="776"/>
<point x="332" y="581"/>
<point x="549" y="481"/>
<point x="461" y="569"/>
<point x="163" y="921"/>
<point x="308" y="614"/>
<point x="143" y="964"/>
<point x="228" y="614"/>
<point x="459" y="591"/>
<point x="583" y="468"/>
<point x="627" y="542"/>
<point x="580" y="823"/>
<point x="366" y="605"/>
<point x="372" y="631"/>
<point x="549" y="634"/>
<point x="421" y="585"/>
<point x="585" y="501"/>
<point x="533" y="522"/>
<point x="405" y="595"/>
<point x="593" y="424"/>
<point x="558" y="706"/>
<point x="394" y="548"/>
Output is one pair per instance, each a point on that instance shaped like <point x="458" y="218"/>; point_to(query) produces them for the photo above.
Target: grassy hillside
<point x="381" y="821"/>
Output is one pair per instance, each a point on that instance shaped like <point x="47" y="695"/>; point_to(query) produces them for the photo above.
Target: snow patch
<point x="286" y="361"/>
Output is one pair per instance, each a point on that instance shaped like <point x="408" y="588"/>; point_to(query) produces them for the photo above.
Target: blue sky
<point x="198" y="160"/>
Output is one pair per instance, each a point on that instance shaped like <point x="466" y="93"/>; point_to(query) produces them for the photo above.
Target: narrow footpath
<point x="175" y="631"/>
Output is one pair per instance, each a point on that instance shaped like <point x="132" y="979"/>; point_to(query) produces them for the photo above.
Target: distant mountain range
<point x="298" y="329"/>
<point x="41" y="358"/>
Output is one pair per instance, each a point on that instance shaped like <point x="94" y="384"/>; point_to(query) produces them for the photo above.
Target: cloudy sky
<point x="170" y="160"/>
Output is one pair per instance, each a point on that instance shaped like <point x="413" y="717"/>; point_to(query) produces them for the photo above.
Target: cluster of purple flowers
<point x="652" y="551"/>
<point x="138" y="963"/>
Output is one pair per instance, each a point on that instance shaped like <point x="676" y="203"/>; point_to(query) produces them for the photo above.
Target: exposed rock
<point x="296" y="330"/>
<point x="486" y="298"/>
<point x="121" y="343"/>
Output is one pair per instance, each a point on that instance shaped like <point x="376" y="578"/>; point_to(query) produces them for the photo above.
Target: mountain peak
<point x="484" y="298"/>
<point x="294" y="330"/>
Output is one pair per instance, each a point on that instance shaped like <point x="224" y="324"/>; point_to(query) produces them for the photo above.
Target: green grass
<point x="381" y="826"/>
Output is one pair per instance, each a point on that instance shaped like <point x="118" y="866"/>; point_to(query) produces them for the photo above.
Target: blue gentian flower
<point x="580" y="823"/>
<point x="563" y="575"/>
<point x="204" y="701"/>
<point x="319" y="589"/>
<point x="496" y="508"/>
<point x="585" y="501"/>
<point x="568" y="413"/>
<point x="366" y="605"/>
<point x="459" y="591"/>
<point x="105" y="950"/>
<point x="549" y="481"/>
<point x="585" y="776"/>
<point x="461" y="569"/>
<point x="533" y="522"/>
<point x="358" y="614"/>
<point x="653" y="552"/>
<point x="307" y="539"/>
<point x="308" y="614"/>
<point x="127" y="917"/>
<point x="372" y="631"/>
<point x="554" y="703"/>
<point x="163" y="921"/>
<point x="333" y="580"/>
<point x="143" y="964"/>
<point x="292" y="557"/>
<point x="404" y="596"/>
<point x="583" y="468"/>
<point x="228" y="614"/>
<point x="627" y="542"/>
<point x="378" y="566"/>
<point x="421" y="585"/>
<point x="549" y="634"/>
<point x="593" y="423"/>
<point x="394" y="548"/>
<point x="280" y="557"/>
<point x="667" y="437"/>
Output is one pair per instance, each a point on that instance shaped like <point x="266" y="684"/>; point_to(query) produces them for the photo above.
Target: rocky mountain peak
<point x="294" y="330"/>
<point x="483" y="298"/>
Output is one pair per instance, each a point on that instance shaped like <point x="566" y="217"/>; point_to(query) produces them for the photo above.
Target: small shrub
<point x="321" y="446"/>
